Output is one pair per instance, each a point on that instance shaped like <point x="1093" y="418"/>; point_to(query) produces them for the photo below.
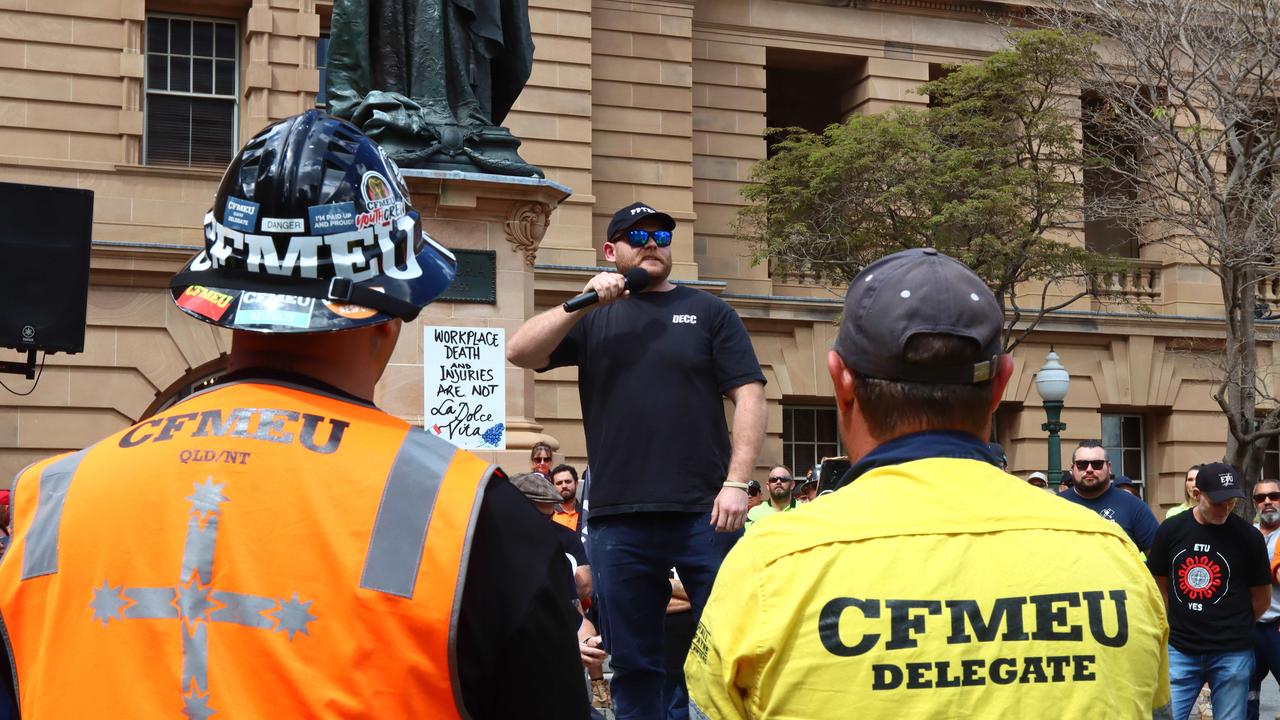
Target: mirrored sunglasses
<point x="640" y="238"/>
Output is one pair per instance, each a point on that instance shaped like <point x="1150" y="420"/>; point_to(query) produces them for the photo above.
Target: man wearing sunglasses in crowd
<point x="669" y="486"/>
<point x="1266" y="648"/>
<point x="780" y="486"/>
<point x="1092" y="487"/>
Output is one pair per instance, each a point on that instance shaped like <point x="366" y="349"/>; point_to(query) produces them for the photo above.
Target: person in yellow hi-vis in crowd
<point x="931" y="584"/>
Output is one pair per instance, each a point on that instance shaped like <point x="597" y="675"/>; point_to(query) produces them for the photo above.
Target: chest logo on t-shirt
<point x="1201" y="576"/>
<point x="684" y="319"/>
<point x="1108" y="513"/>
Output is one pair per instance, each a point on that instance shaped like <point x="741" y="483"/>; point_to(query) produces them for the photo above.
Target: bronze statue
<point x="432" y="80"/>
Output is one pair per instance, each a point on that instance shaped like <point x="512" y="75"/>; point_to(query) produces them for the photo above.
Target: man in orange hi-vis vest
<point x="221" y="587"/>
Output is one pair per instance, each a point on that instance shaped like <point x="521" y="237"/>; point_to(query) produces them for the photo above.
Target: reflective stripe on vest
<point x="221" y="588"/>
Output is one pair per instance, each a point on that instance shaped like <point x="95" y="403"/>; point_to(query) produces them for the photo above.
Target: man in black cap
<point x="941" y="610"/>
<point x="669" y="487"/>
<point x="1213" y="571"/>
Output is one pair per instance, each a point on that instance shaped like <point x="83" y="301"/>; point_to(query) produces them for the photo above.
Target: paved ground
<point x="1270" y="705"/>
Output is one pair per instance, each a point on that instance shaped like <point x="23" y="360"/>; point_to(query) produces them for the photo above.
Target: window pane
<point x="788" y="433"/>
<point x="180" y="74"/>
<point x="803" y="427"/>
<point x="322" y="60"/>
<point x="226" y="78"/>
<point x="189" y="131"/>
<point x="1271" y="466"/>
<point x="226" y="40"/>
<point x="168" y="129"/>
<point x="1133" y="463"/>
<point x="157" y="35"/>
<point x="788" y="458"/>
<point x="827" y="425"/>
<point x="157" y="72"/>
<point x="212" y="130"/>
<point x="1111" y="430"/>
<point x="202" y="76"/>
<point x="1132" y="431"/>
<point x="180" y="37"/>
<point x="202" y="39"/>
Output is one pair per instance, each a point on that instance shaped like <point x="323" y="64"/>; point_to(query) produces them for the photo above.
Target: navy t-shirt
<point x="652" y="372"/>
<point x="1210" y="571"/>
<point x="1123" y="509"/>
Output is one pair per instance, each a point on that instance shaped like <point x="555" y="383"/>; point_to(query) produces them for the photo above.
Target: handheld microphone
<point x="637" y="280"/>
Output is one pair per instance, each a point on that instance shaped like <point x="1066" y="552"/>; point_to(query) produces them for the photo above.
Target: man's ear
<point x="610" y="255"/>
<point x="1004" y="371"/>
<point x="841" y="379"/>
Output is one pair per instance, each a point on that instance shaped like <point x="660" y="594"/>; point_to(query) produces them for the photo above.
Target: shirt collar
<point x="918" y="446"/>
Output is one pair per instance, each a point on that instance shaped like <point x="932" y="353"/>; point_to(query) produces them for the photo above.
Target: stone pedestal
<point x="470" y="211"/>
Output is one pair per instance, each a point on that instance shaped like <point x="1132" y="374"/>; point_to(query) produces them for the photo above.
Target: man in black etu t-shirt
<point x="668" y="484"/>
<point x="1213" y="570"/>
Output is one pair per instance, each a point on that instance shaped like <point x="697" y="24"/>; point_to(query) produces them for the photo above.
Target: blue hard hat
<point x="312" y="230"/>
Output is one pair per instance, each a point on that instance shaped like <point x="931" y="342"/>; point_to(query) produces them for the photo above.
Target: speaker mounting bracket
<point x="26" y="369"/>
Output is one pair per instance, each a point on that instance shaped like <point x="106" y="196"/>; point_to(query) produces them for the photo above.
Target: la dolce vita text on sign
<point x="465" y="386"/>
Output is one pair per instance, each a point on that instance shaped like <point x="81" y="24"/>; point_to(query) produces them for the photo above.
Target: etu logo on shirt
<point x="684" y="319"/>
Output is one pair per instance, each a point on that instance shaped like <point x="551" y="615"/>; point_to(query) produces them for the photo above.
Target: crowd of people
<point x="922" y="581"/>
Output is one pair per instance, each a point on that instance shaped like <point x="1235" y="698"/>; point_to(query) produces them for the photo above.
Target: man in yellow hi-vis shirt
<point x="935" y="585"/>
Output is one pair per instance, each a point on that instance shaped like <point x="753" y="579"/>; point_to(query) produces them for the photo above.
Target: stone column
<point x="469" y="211"/>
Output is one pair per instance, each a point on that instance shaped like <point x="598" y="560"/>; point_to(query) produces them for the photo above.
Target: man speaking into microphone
<point x="669" y="487"/>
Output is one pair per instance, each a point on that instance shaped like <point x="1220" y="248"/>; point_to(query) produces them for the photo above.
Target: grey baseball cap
<point x="912" y="292"/>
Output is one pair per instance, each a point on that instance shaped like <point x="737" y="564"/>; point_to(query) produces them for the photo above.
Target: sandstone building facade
<point x="664" y="101"/>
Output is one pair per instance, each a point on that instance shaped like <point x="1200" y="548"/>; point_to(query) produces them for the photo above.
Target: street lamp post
<point x="1052" y="381"/>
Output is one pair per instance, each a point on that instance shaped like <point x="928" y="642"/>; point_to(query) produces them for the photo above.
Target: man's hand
<point x="593" y="656"/>
<point x="730" y="510"/>
<point x="609" y="286"/>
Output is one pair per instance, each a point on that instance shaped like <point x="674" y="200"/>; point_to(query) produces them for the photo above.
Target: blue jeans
<point x="630" y="557"/>
<point x="1227" y="674"/>
<point x="1266" y="661"/>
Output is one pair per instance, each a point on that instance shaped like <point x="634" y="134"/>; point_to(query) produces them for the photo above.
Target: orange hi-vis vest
<point x="256" y="551"/>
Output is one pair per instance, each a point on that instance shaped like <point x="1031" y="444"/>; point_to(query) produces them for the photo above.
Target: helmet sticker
<point x="205" y="302"/>
<point x="380" y="202"/>
<point x="284" y="225"/>
<point x="259" y="308"/>
<point x="240" y="214"/>
<point x="358" y="255"/>
<point x="352" y="312"/>
<point x="335" y="218"/>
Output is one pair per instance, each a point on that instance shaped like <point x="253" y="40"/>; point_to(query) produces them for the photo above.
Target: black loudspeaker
<point x="44" y="266"/>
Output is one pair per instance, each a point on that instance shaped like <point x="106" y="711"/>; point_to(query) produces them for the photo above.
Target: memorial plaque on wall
<point x="477" y="280"/>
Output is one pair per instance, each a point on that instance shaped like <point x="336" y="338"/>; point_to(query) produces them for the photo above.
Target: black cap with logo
<point x="1219" y="482"/>
<point x="912" y="292"/>
<point x="629" y="216"/>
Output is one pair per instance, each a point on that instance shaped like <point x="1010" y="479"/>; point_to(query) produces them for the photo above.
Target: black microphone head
<point x="637" y="279"/>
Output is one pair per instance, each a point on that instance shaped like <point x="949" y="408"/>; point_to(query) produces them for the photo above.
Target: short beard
<point x="1270" y="518"/>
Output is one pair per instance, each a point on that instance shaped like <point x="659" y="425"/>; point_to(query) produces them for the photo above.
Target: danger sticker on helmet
<point x="272" y="309"/>
<point x="380" y="202"/>
<point x="335" y="218"/>
<point x="284" y="225"/>
<point x="240" y="214"/>
<point x="205" y="302"/>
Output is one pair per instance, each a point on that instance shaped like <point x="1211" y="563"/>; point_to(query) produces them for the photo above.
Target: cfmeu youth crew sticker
<point x="380" y="203"/>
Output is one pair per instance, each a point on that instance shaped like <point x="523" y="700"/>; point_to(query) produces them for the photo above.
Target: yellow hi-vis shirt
<point x="938" y="588"/>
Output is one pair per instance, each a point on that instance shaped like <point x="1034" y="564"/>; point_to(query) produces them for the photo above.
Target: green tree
<point x="986" y="174"/>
